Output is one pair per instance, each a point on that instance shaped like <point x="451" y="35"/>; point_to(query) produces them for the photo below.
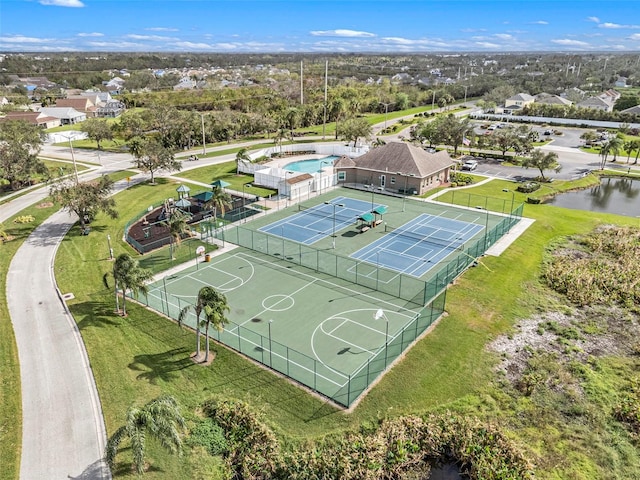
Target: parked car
<point x="548" y="132"/>
<point x="469" y="165"/>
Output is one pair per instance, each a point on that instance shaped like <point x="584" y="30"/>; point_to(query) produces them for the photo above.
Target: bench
<point x="364" y="228"/>
<point x="377" y="222"/>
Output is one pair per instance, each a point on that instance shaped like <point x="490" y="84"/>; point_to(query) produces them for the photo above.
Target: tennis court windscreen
<point x="446" y="243"/>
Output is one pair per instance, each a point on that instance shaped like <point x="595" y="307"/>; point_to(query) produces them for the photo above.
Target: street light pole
<point x="377" y="316"/>
<point x="270" y="357"/>
<point x="244" y="201"/>
<point x="386" y="110"/>
<point x="73" y="159"/>
<point x="372" y="192"/>
<point x="333" y="232"/>
<point x="465" y="92"/>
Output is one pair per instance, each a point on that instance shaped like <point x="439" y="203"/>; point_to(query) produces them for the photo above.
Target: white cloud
<point x="193" y="46"/>
<point x="153" y="38"/>
<point x="540" y="22"/>
<point x="635" y="36"/>
<point x="23" y="39"/>
<point x="570" y="43"/>
<point x="161" y="29"/>
<point x="593" y="19"/>
<point x="341" y="33"/>
<point x="487" y="45"/>
<point x="63" y="3"/>
<point x="617" y="25"/>
<point x="117" y="45"/>
<point x="91" y="34"/>
<point x="503" y="36"/>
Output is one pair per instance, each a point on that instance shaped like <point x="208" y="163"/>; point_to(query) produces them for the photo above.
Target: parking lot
<point x="573" y="161"/>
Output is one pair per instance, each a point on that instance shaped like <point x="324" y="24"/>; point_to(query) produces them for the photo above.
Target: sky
<point x="367" y="26"/>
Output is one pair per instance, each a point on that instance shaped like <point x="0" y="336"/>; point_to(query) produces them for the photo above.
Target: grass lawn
<point x="227" y="172"/>
<point x="134" y="359"/>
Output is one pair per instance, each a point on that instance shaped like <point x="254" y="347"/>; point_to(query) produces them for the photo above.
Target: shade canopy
<point x="183" y="202"/>
<point x="366" y="217"/>
<point x="220" y="184"/>
<point x="183" y="189"/>
<point x="203" y="196"/>
<point x="380" y="209"/>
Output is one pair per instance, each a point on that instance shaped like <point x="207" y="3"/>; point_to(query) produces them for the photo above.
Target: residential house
<point x="81" y="104"/>
<point x="34" y="118"/>
<point x="596" y="103"/>
<point x="519" y="100"/>
<point x="111" y="109"/>
<point x="397" y="167"/>
<point x="514" y="103"/>
<point x="67" y="115"/>
<point x="621" y="82"/>
<point x="548" y="99"/>
<point x="99" y="99"/>
<point x="632" y="110"/>
<point x="610" y="95"/>
<point x="185" y="84"/>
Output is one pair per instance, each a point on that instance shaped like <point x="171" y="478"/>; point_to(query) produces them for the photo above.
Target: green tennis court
<point x="325" y="333"/>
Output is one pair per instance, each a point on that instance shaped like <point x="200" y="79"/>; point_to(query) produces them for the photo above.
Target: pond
<point x="614" y="195"/>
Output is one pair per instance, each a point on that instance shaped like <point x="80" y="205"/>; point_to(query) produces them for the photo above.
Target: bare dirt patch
<point x="44" y="205"/>
<point x="583" y="333"/>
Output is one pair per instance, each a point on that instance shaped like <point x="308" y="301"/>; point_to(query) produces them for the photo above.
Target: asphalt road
<point x="63" y="434"/>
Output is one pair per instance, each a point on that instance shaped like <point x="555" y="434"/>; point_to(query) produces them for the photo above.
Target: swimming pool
<point x="310" y="166"/>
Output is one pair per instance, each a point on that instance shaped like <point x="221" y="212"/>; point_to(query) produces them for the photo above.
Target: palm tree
<point x="241" y="156"/>
<point x="280" y="135"/>
<point x="213" y="304"/>
<point x="615" y="145"/>
<point x="219" y="201"/>
<point x="178" y="226"/>
<point x="159" y="418"/>
<point x="630" y="146"/>
<point x="128" y="275"/>
<point x="214" y="314"/>
<point x="605" y="149"/>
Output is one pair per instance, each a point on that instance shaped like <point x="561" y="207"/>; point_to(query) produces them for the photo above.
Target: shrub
<point x="528" y="187"/>
<point x="24" y="219"/>
<point x="461" y="178"/>
<point x="209" y="435"/>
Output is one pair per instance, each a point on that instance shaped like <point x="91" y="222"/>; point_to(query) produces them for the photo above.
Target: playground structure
<point x="149" y="230"/>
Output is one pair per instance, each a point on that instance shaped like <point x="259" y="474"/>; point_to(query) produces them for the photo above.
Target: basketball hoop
<point x="200" y="250"/>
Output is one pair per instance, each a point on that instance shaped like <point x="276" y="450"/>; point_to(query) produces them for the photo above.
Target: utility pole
<point x="204" y="145"/>
<point x="324" y="123"/>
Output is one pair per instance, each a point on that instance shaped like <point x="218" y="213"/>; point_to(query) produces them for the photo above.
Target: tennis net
<point x="447" y="243"/>
<point x="328" y="213"/>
